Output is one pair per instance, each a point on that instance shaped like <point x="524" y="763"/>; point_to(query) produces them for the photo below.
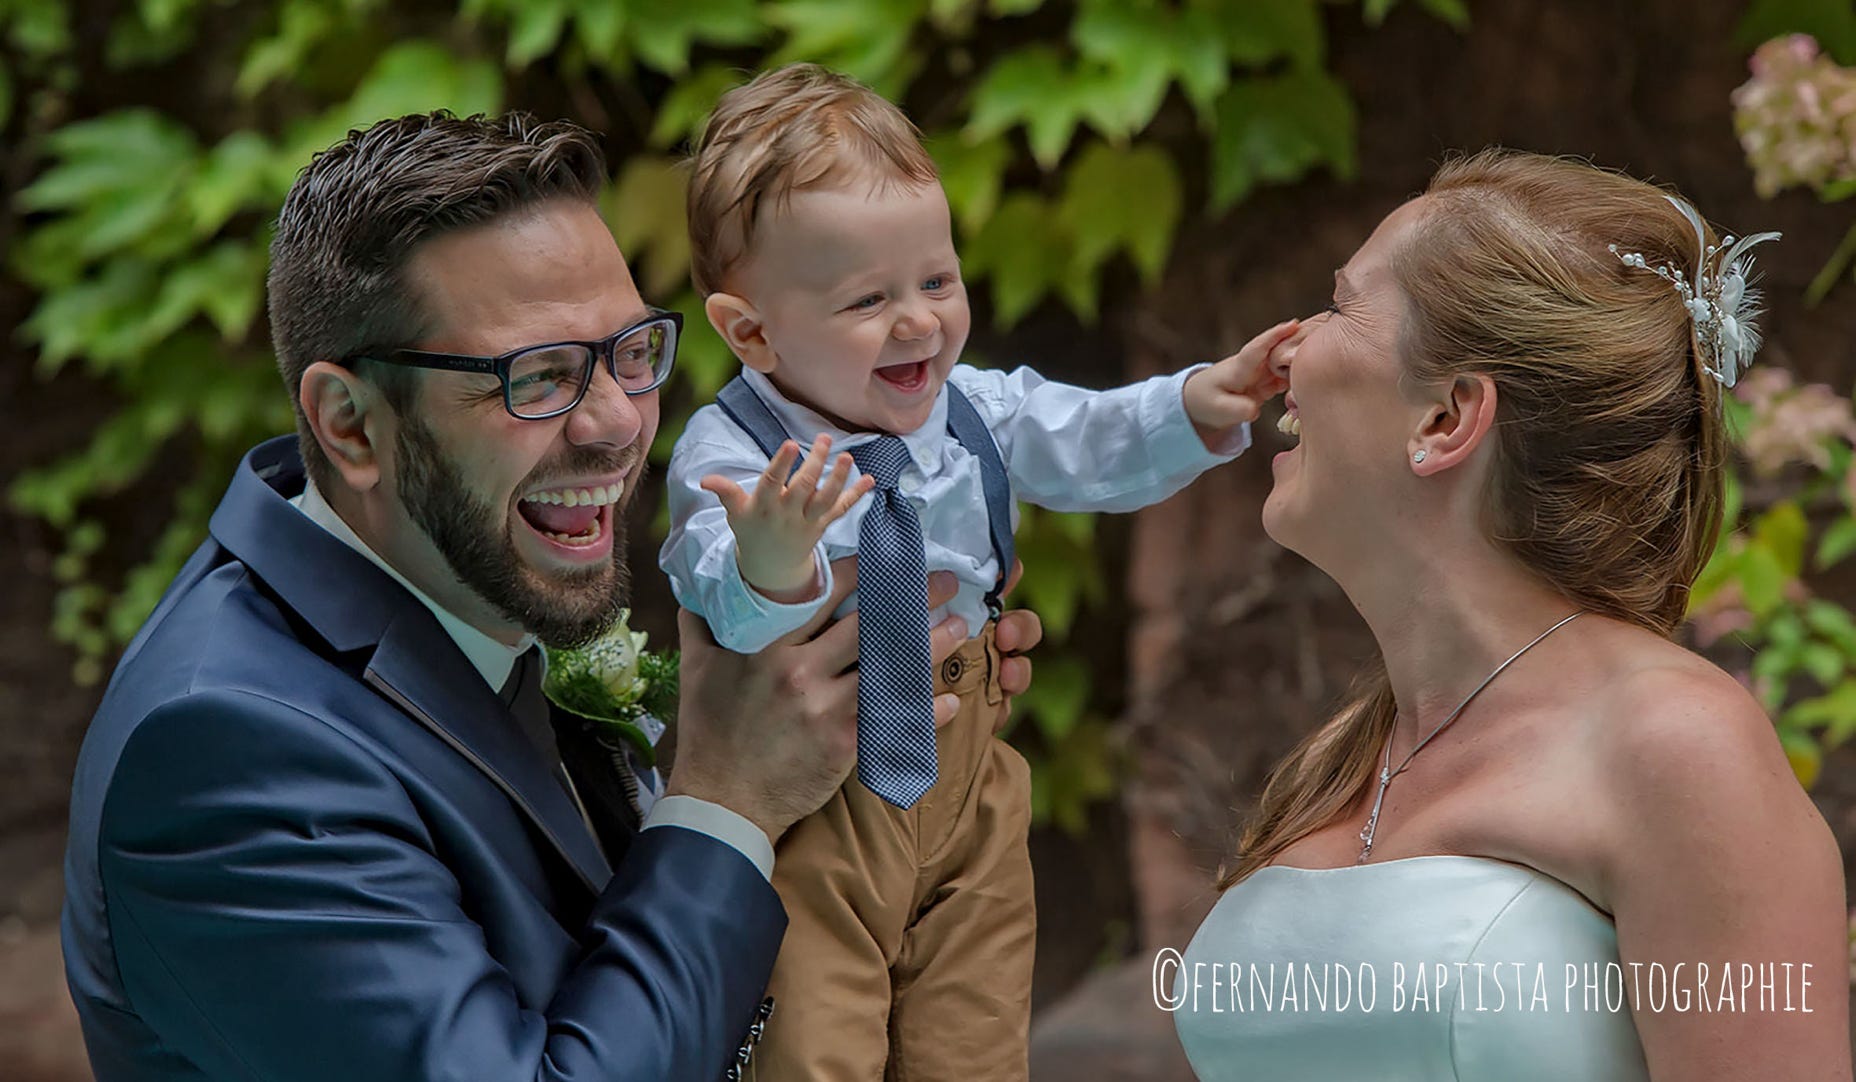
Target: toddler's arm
<point x="778" y="527"/>
<point x="701" y="556"/>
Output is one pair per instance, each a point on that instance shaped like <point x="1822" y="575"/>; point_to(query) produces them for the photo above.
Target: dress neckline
<point x="1406" y="860"/>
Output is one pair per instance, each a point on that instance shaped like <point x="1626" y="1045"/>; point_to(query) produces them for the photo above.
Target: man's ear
<point x="346" y="414"/>
<point x="1454" y="425"/>
<point x="739" y="324"/>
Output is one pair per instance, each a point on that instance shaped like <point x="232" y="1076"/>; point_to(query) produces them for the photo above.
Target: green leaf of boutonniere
<point x="616" y="683"/>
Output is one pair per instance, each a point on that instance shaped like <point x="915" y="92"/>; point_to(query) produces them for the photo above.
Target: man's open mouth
<point x="571" y="516"/>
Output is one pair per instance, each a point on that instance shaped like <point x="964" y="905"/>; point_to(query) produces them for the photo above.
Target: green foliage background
<point x="144" y="233"/>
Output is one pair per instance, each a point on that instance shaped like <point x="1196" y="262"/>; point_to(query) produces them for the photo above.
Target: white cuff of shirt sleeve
<point x="727" y="827"/>
<point x="751" y="621"/>
<point x="1176" y="438"/>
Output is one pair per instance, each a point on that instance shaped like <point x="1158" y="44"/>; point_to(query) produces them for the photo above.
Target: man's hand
<point x="1018" y="631"/>
<point x="1233" y="391"/>
<point x="777" y="527"/>
<point x="772" y="735"/>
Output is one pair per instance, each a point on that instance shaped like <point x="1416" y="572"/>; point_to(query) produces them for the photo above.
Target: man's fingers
<point x="942" y="586"/>
<point x="1014" y="675"/>
<point x="1019" y="630"/>
<point x="1011" y="580"/>
<point x="945" y="707"/>
<point x="946" y="636"/>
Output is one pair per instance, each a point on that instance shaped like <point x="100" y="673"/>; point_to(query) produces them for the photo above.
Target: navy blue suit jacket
<point x="308" y="842"/>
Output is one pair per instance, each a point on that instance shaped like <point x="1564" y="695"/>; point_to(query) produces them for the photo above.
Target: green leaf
<point x="1128" y="200"/>
<point x="1258" y="31"/>
<point x="866" y="39"/>
<point x="101" y="317"/>
<point x="1454" y="12"/>
<point x="1762" y="580"/>
<point x="1141" y="53"/>
<point x="1784" y="531"/>
<point x="600" y="26"/>
<point x="535" y="30"/>
<point x="662" y="31"/>
<point x="1057" y="698"/>
<point x="238" y="174"/>
<point x="686" y="108"/>
<point x="1833" y="622"/>
<point x="1023" y="250"/>
<point x="131" y="156"/>
<point x="1029" y="86"/>
<point x="301" y="26"/>
<point x="1824" y="662"/>
<point x="1375" y="11"/>
<point x="1835" y="709"/>
<point x="1837" y="190"/>
<point x="972" y="175"/>
<point x="1008" y="8"/>
<point x="645" y="210"/>
<point x="1275" y="129"/>
<point x="1838" y="541"/>
<point x="411" y="77"/>
<point x="1831" y="22"/>
<point x="226" y="284"/>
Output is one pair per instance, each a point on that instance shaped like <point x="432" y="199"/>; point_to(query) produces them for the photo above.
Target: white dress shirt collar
<point x="924" y="444"/>
<point x="492" y="659"/>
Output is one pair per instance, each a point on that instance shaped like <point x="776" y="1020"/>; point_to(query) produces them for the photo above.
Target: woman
<point x="1510" y="453"/>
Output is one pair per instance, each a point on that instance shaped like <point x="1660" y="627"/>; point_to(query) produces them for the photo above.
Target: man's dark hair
<point x="359" y="210"/>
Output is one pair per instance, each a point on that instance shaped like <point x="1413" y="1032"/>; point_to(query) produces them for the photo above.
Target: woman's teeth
<point x="1289" y="425"/>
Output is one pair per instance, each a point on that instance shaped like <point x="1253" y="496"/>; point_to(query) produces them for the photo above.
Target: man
<point x="323" y="825"/>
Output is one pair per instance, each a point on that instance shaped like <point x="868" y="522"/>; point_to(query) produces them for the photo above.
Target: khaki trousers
<point x="909" y="945"/>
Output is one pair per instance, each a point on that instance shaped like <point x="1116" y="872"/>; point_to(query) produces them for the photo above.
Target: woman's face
<point x="1349" y="477"/>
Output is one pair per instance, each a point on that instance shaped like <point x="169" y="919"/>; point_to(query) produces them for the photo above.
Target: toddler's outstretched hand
<point x="1233" y="390"/>
<point x="778" y="525"/>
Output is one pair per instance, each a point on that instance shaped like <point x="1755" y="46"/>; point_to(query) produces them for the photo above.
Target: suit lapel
<point x="414" y="664"/>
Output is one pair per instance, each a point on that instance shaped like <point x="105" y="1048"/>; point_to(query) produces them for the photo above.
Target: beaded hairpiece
<point x="1719" y="303"/>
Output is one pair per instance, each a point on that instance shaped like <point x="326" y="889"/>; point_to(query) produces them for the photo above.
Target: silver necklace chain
<point x="1386" y="773"/>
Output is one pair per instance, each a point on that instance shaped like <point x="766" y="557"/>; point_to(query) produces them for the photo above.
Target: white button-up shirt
<point x="494" y="659"/>
<point x="1065" y="448"/>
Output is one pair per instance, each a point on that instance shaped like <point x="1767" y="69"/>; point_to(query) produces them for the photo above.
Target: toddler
<point x="820" y="240"/>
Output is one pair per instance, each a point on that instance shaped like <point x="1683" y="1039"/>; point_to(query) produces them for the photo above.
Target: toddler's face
<point x="861" y="305"/>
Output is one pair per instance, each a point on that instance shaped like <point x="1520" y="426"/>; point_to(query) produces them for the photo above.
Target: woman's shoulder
<point x="1687" y="762"/>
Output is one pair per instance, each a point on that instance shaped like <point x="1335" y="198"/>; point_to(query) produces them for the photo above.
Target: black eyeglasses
<point x="548" y="380"/>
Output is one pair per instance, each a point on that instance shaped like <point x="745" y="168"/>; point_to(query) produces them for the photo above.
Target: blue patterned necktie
<point x="895" y="691"/>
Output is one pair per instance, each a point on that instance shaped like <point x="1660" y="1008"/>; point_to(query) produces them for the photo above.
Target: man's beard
<point x="563" y="610"/>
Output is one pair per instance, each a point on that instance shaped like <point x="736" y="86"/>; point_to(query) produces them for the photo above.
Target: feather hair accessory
<point x="1719" y="303"/>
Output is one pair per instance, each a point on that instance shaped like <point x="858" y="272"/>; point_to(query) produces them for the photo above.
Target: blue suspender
<point x="746" y="409"/>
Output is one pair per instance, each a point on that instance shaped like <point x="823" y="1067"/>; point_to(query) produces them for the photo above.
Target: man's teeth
<point x="1289" y="425"/>
<point x="591" y="535"/>
<point x="574" y="497"/>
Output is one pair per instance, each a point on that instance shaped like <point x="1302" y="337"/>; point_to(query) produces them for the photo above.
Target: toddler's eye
<point x="935" y="284"/>
<point x="869" y="302"/>
<point x="1333" y="309"/>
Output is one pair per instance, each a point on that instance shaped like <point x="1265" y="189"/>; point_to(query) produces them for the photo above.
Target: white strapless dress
<point x="1395" y="927"/>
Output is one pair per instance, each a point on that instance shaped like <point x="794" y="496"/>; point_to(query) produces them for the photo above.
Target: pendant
<point x="1372" y="821"/>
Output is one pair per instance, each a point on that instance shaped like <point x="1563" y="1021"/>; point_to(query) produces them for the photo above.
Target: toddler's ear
<point x="739" y="324"/>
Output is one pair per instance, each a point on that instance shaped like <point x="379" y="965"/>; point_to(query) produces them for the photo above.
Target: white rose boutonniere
<point x="628" y="691"/>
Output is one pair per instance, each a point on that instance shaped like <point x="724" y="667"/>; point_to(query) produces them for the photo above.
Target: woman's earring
<point x="1418" y="455"/>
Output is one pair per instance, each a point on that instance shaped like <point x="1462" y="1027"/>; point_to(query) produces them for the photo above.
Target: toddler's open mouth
<point x="905" y="377"/>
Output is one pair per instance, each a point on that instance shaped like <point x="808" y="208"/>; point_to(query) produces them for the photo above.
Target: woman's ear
<point x="345" y="413"/>
<point x="1454" y="425"/>
<point x="739" y="323"/>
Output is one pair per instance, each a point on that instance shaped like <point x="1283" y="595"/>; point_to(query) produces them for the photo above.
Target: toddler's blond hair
<point x="790" y="129"/>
